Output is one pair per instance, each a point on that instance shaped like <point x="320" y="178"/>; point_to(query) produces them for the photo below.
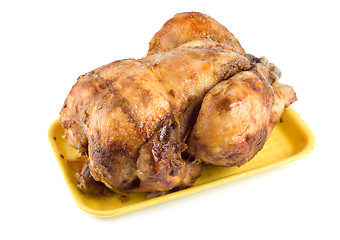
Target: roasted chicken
<point x="146" y="125"/>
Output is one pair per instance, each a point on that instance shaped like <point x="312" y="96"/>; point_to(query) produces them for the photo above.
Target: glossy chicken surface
<point x="136" y="120"/>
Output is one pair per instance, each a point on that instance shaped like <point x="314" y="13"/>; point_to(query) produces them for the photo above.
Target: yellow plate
<point x="290" y="140"/>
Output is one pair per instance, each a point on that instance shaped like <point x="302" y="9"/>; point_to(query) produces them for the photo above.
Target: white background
<point x="46" y="45"/>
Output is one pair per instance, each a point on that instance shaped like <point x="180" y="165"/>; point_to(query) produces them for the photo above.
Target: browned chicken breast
<point x="132" y="118"/>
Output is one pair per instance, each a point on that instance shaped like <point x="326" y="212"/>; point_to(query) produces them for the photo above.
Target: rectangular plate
<point x="290" y="140"/>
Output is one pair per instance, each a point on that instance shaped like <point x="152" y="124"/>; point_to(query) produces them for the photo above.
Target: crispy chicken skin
<point x="133" y="117"/>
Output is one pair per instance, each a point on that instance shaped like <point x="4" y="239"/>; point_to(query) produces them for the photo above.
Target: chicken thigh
<point x="191" y="26"/>
<point x="238" y="115"/>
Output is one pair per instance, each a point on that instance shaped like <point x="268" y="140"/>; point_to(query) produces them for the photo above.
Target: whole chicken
<point x="136" y="119"/>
